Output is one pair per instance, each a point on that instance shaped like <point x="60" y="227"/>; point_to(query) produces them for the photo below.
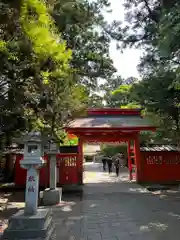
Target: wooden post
<point x="80" y="161"/>
<point x="129" y="160"/>
<point x="137" y="158"/>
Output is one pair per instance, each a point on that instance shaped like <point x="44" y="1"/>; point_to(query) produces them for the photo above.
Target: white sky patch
<point x="126" y="62"/>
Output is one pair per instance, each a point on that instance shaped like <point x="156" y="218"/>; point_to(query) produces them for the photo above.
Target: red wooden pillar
<point x="80" y="161"/>
<point x="137" y="158"/>
<point x="129" y="159"/>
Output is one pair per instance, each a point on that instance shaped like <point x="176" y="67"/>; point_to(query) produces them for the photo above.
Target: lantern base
<point x="52" y="196"/>
<point x="39" y="226"/>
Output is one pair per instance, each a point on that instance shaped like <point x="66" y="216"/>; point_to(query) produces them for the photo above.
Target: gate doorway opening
<point x="111" y="150"/>
<point x="111" y="126"/>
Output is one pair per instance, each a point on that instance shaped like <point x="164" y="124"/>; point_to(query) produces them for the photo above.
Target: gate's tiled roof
<point x="110" y="122"/>
<point x="163" y="148"/>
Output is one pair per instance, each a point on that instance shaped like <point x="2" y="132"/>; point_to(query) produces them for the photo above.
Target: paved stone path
<point x="113" y="209"/>
<point x="95" y="174"/>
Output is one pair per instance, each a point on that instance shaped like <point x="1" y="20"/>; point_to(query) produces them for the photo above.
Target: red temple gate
<point x="112" y="125"/>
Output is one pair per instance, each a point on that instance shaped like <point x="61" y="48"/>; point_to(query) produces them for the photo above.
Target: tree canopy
<point x="38" y="90"/>
<point x="52" y="53"/>
<point x="153" y="26"/>
<point x="55" y="62"/>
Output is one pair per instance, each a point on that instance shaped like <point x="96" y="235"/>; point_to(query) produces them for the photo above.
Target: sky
<point x="124" y="63"/>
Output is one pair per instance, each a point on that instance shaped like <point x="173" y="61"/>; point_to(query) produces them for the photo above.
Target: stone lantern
<point x="33" y="161"/>
<point x="32" y="222"/>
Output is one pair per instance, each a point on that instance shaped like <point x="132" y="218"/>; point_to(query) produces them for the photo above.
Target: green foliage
<point x="111" y="150"/>
<point x="96" y="101"/>
<point x="38" y="87"/>
<point x="73" y="142"/>
<point x="154" y="26"/>
<point x="121" y="97"/>
<point x="123" y="89"/>
<point x="39" y="28"/>
<point x="52" y="55"/>
<point x="131" y="105"/>
<point x="83" y="27"/>
<point x="2" y="46"/>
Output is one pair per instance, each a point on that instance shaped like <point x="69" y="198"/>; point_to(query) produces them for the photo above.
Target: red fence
<point x="160" y="167"/>
<point x="67" y="170"/>
<point x="67" y="167"/>
<point x="155" y="167"/>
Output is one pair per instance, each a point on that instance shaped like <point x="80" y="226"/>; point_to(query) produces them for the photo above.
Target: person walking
<point x="109" y="162"/>
<point x="117" y="165"/>
<point x="104" y="163"/>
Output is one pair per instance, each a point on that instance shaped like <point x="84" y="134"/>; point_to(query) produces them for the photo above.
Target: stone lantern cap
<point x="53" y="148"/>
<point x="35" y="137"/>
<point x="33" y="148"/>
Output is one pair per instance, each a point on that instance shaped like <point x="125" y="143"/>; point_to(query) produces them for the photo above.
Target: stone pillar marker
<point x="52" y="195"/>
<point x="31" y="223"/>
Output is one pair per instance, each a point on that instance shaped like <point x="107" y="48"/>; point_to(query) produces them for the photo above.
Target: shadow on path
<point x="115" y="210"/>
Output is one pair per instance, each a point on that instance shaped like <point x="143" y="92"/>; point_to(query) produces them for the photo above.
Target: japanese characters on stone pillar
<point x="33" y="161"/>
